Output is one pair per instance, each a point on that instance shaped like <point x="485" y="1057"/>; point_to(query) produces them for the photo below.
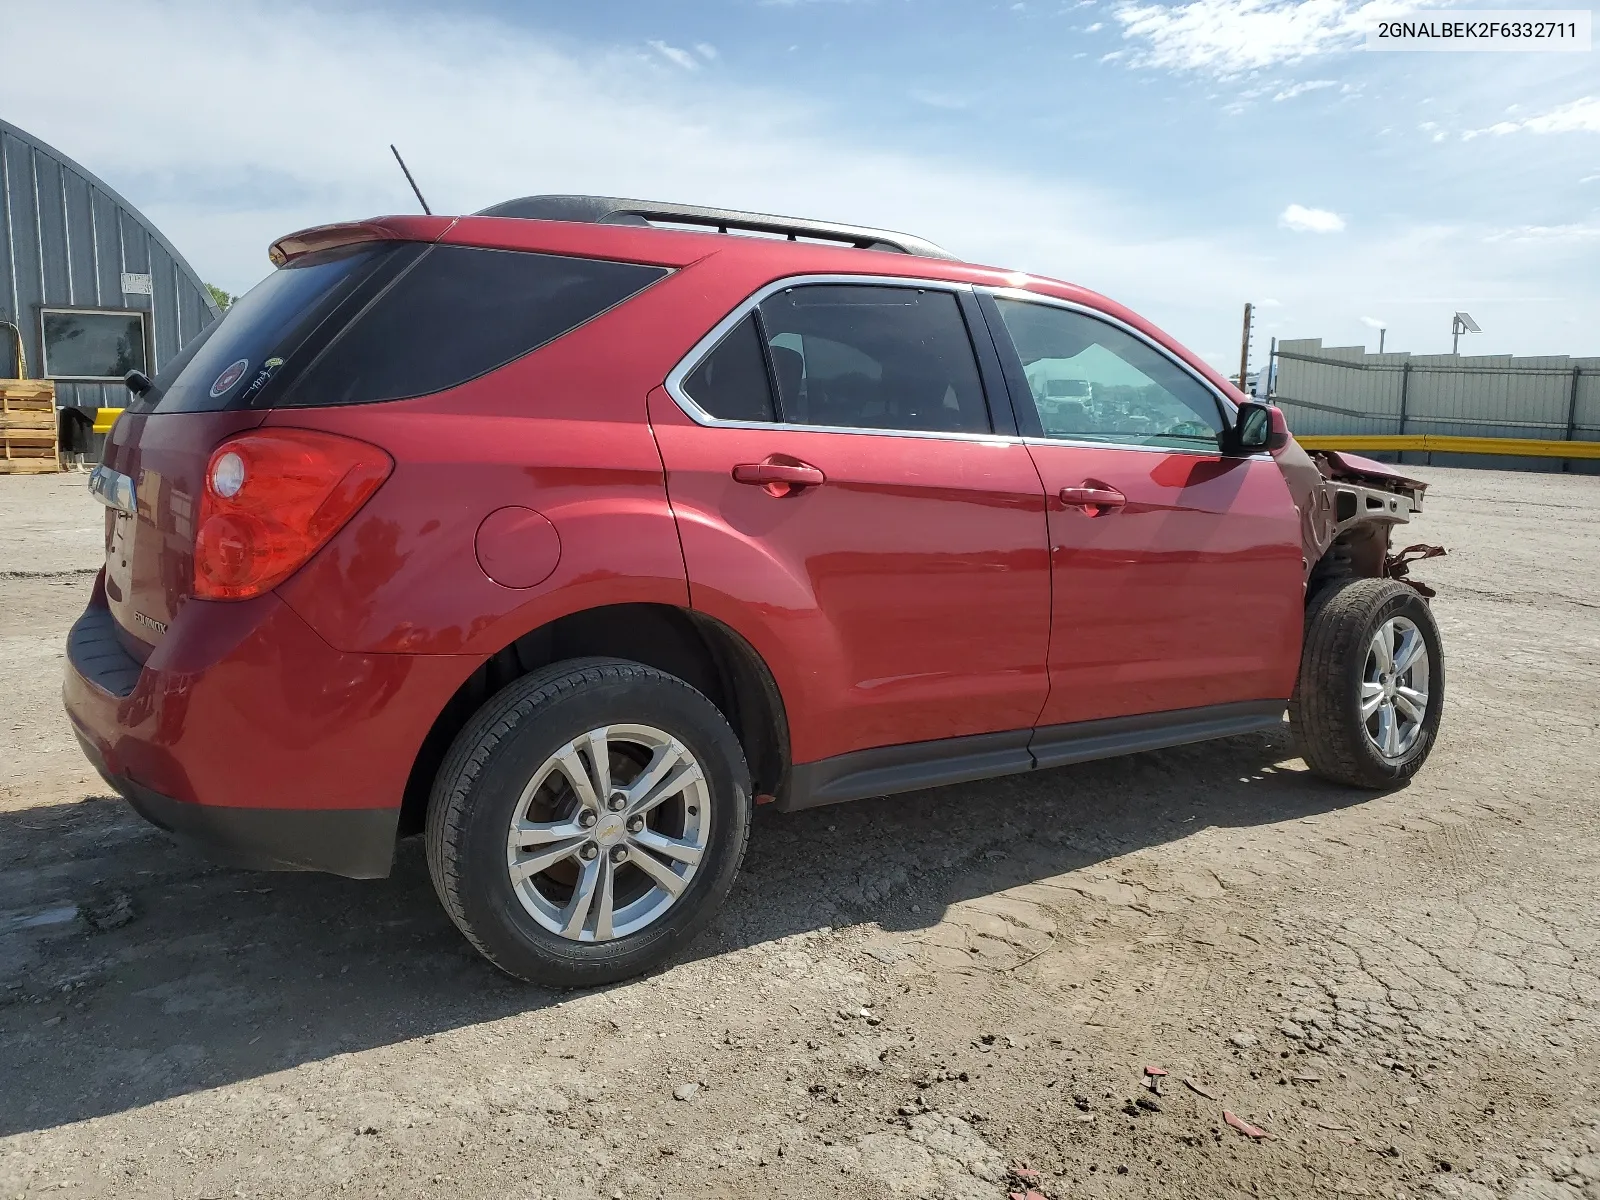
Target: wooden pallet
<point x="29" y="438"/>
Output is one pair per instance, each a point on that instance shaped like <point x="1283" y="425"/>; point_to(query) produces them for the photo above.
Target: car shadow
<point x="176" y="976"/>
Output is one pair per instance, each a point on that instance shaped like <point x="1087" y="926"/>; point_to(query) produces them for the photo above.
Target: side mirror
<point x="138" y="382"/>
<point x="1258" y="427"/>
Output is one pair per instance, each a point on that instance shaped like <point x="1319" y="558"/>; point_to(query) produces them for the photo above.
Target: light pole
<point x="1459" y="324"/>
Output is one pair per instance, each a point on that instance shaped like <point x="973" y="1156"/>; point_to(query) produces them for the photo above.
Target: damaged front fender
<point x="1349" y="506"/>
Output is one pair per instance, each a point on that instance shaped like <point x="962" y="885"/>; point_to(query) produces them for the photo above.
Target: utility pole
<point x="1244" y="347"/>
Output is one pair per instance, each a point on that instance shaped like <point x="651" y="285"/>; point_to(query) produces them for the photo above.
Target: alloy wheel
<point x="1394" y="687"/>
<point x="608" y="832"/>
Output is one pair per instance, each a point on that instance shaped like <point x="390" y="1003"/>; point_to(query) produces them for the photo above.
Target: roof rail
<point x="612" y="210"/>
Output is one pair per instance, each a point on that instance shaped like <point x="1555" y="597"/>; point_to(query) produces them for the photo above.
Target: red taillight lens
<point x="271" y="499"/>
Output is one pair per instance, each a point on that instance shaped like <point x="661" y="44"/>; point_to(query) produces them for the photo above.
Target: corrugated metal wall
<point x="66" y="239"/>
<point x="1343" y="389"/>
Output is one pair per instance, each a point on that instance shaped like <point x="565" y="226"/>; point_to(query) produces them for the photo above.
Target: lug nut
<point x="587" y="818"/>
<point x="619" y="854"/>
<point x="616" y="801"/>
<point x="588" y="852"/>
<point x="635" y="824"/>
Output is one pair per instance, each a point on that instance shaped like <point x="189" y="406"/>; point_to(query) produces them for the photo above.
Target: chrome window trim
<point x="1229" y="410"/>
<point x="688" y="363"/>
<point x="1086" y="444"/>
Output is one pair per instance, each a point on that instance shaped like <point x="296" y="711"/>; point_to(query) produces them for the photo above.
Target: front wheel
<point x="588" y="822"/>
<point x="1366" y="708"/>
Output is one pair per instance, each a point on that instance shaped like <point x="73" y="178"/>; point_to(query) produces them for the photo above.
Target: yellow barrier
<point x="1450" y="444"/>
<point x="105" y="418"/>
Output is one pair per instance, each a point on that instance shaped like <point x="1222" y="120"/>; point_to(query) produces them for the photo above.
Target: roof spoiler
<point x="613" y="210"/>
<point x="349" y="233"/>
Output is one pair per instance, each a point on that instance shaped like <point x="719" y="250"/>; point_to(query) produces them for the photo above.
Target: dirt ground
<point x="906" y="997"/>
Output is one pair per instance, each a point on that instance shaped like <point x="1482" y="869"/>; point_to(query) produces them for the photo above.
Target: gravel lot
<point x="908" y="997"/>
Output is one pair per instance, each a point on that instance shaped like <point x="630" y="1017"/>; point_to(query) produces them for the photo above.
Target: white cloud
<point x="1095" y="28"/>
<point x="676" y="54"/>
<point x="1310" y="220"/>
<point x="1577" y="231"/>
<point x="1300" y="89"/>
<point x="935" y="99"/>
<point x="1229" y="37"/>
<point x="1375" y="322"/>
<point x="705" y="50"/>
<point x="1580" y="116"/>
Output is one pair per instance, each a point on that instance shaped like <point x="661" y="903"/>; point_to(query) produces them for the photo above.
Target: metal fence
<point x="1327" y="390"/>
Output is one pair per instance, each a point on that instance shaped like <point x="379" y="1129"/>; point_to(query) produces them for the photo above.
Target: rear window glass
<point x="386" y="321"/>
<point x="237" y="361"/>
<point x="460" y="312"/>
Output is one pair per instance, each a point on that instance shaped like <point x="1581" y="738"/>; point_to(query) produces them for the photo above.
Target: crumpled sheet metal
<point x="1398" y="566"/>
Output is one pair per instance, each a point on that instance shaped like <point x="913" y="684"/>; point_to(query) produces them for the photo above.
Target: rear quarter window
<point x="458" y="313"/>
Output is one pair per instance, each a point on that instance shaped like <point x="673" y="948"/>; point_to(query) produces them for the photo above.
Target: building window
<point x="93" y="344"/>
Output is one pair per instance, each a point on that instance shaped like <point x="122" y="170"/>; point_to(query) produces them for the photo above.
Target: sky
<point x="1183" y="158"/>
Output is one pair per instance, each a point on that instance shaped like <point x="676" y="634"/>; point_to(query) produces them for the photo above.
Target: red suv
<point x="567" y="532"/>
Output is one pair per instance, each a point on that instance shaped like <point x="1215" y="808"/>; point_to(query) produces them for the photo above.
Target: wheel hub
<point x="610" y="829"/>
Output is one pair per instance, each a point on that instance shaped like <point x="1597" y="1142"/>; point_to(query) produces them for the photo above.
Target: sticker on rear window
<point x="262" y="377"/>
<point x="229" y="377"/>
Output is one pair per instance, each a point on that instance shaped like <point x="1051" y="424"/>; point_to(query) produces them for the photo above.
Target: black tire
<point x="1325" y="712"/>
<point x="481" y="782"/>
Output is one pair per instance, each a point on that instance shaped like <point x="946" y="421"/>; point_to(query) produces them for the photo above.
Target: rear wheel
<point x="1367" y="705"/>
<point x="588" y="822"/>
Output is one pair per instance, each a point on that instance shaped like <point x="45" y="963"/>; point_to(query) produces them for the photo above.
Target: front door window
<point x="1093" y="382"/>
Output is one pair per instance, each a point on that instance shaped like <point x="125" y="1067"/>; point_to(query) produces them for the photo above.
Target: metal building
<point x="1345" y="390"/>
<point x="92" y="286"/>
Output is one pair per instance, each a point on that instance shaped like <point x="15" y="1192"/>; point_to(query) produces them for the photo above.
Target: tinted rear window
<point x="273" y="321"/>
<point x="460" y="312"/>
<point x="389" y="322"/>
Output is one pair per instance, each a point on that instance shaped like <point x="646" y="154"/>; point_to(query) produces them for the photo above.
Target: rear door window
<point x="731" y="382"/>
<point x="860" y="356"/>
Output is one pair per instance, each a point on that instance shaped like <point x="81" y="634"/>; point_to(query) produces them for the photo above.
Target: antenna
<point x="410" y="180"/>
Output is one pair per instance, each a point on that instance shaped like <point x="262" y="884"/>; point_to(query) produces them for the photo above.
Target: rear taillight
<point x="271" y="499"/>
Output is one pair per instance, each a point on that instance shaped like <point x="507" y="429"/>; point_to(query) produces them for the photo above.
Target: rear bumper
<point x="355" y="842"/>
<point x="248" y="734"/>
